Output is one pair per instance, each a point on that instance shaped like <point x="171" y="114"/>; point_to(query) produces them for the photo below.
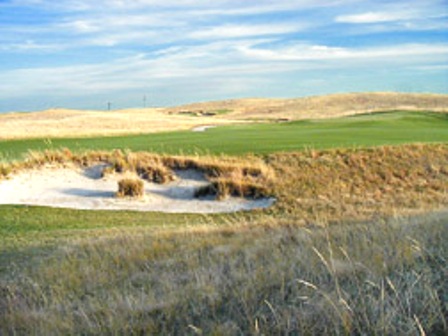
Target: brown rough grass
<point x="361" y="183"/>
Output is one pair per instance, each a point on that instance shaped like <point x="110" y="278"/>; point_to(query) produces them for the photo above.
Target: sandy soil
<point x="86" y="189"/>
<point x="203" y="128"/>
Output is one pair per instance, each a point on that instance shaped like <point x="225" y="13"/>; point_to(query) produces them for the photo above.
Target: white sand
<point x="86" y="189"/>
<point x="202" y="128"/>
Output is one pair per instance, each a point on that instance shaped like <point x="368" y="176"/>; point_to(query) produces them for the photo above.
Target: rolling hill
<point x="69" y="123"/>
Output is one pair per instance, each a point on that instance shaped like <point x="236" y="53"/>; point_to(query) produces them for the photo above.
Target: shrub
<point x="130" y="187"/>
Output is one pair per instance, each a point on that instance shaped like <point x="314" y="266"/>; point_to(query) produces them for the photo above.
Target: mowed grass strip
<point x="376" y="129"/>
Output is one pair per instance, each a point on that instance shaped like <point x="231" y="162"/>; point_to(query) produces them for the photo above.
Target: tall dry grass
<point x="361" y="183"/>
<point x="264" y="278"/>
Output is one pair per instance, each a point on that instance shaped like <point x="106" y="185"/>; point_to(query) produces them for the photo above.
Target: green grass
<point x="25" y="228"/>
<point x="387" y="128"/>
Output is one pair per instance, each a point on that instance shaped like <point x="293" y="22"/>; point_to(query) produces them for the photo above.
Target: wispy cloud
<point x="232" y="31"/>
<point x="303" y="52"/>
<point x="222" y="47"/>
<point x="374" y="17"/>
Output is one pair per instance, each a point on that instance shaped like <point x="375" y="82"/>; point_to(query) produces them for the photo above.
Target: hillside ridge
<point x="60" y="122"/>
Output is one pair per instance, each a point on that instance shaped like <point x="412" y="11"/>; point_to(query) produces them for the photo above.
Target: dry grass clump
<point x="156" y="173"/>
<point x="223" y="188"/>
<point x="130" y="187"/>
<point x="145" y="165"/>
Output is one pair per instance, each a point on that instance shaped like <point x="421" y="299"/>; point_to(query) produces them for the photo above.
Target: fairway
<point x="385" y="128"/>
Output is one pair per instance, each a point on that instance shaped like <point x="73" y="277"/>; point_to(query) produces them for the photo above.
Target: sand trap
<point x="86" y="189"/>
<point x="202" y="128"/>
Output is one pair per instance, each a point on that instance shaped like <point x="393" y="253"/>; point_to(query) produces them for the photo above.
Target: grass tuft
<point x="224" y="188"/>
<point x="130" y="187"/>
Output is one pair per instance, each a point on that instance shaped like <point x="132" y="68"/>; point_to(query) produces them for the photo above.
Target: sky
<point x="134" y="53"/>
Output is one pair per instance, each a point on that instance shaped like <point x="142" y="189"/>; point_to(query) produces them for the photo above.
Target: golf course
<point x="351" y="236"/>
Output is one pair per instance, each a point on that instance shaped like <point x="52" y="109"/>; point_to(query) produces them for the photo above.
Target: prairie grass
<point x="361" y="184"/>
<point x="266" y="277"/>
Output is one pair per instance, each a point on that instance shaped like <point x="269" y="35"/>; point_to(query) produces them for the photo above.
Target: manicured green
<point x="385" y="128"/>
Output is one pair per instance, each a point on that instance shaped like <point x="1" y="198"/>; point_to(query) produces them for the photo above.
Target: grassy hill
<point x="73" y="123"/>
<point x="316" y="107"/>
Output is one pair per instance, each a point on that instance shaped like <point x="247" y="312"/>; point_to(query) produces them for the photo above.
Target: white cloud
<point x="303" y="52"/>
<point x="29" y="46"/>
<point x="232" y="31"/>
<point x="374" y="17"/>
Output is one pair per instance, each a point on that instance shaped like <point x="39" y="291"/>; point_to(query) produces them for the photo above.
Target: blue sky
<point x="85" y="53"/>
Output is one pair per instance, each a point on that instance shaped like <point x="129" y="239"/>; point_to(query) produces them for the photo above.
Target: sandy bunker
<point x="86" y="189"/>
